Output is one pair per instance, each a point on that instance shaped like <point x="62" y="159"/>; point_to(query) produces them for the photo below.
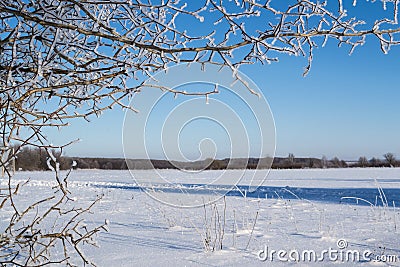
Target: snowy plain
<point x="292" y="211"/>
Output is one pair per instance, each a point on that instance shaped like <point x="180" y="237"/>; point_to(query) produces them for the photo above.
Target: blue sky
<point x="347" y="106"/>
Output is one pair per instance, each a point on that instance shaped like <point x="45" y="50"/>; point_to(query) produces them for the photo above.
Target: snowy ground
<point x="300" y="212"/>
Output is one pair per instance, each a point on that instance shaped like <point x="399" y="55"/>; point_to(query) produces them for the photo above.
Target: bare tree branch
<point x="67" y="59"/>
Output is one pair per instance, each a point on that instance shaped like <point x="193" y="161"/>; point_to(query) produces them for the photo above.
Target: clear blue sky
<point x="348" y="106"/>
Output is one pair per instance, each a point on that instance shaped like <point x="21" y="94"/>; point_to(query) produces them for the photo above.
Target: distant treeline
<point x="37" y="159"/>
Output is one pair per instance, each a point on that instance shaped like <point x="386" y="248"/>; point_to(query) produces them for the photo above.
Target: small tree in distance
<point x="390" y="159"/>
<point x="336" y="162"/>
<point x="324" y="162"/>
<point x="290" y="160"/>
<point x="363" y="162"/>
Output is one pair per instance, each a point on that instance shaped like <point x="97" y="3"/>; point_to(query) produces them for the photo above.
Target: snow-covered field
<point x="339" y="216"/>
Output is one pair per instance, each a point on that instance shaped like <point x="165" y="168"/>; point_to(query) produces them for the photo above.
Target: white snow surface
<point x="301" y="210"/>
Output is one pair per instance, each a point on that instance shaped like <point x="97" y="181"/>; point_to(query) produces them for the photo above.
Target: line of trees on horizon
<point x="35" y="159"/>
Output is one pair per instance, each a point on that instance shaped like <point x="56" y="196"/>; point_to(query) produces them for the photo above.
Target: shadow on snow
<point x="361" y="196"/>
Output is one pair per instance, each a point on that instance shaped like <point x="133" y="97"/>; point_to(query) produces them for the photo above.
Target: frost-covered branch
<point x="67" y="59"/>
